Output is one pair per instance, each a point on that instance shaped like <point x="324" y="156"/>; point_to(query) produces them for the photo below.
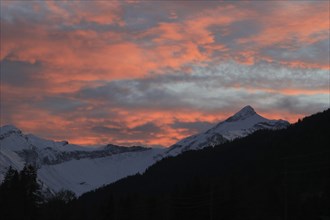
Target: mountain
<point x="241" y="124"/>
<point x="270" y="174"/>
<point x="66" y="166"/>
<point x="62" y="165"/>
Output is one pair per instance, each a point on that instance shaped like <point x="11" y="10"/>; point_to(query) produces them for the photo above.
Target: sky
<point x="153" y="72"/>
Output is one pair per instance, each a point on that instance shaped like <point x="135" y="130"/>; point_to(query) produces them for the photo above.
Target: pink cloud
<point x="85" y="43"/>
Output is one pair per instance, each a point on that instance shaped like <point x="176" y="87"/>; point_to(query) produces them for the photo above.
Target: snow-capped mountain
<point x="66" y="166"/>
<point x="241" y="124"/>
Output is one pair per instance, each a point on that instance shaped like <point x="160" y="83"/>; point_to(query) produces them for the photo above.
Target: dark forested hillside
<point x="282" y="174"/>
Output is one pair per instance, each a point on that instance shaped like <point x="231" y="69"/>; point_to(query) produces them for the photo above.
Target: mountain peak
<point x="246" y="109"/>
<point x="6" y="129"/>
<point x="244" y="113"/>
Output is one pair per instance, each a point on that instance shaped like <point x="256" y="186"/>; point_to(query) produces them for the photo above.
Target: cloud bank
<point x="151" y="73"/>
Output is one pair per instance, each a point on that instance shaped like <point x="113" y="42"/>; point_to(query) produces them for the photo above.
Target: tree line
<point x="22" y="197"/>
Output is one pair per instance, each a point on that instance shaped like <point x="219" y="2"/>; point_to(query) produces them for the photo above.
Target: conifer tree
<point x="20" y="191"/>
<point x="31" y="195"/>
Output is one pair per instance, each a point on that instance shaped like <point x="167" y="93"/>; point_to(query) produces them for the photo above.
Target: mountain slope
<point x="66" y="166"/>
<point x="281" y="174"/>
<point x="241" y="124"/>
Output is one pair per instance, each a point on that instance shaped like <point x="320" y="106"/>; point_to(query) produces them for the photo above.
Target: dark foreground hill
<point x="282" y="174"/>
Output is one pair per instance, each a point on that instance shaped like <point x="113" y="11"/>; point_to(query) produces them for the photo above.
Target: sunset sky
<point x="153" y="72"/>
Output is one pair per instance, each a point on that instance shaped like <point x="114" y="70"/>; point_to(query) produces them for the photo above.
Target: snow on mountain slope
<point x="244" y="122"/>
<point x="87" y="174"/>
<point x="66" y="166"/>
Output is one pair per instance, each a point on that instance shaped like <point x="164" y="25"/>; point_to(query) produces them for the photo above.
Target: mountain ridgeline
<point x="244" y="122"/>
<point x="61" y="165"/>
<point x="271" y="174"/>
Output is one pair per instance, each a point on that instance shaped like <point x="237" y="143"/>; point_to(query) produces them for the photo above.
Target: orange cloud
<point x="306" y="22"/>
<point x="88" y="43"/>
<point x="289" y="27"/>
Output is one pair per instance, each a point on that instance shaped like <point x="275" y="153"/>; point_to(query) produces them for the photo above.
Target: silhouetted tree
<point x="20" y="194"/>
<point x="64" y="196"/>
<point x="57" y="207"/>
<point x="9" y="193"/>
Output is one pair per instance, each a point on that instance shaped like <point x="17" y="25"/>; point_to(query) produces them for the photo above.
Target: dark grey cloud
<point x="106" y="130"/>
<point x="137" y="19"/>
<point x="229" y="34"/>
<point x="92" y="26"/>
<point x="98" y="112"/>
<point x="132" y="94"/>
<point x="123" y="132"/>
<point x="22" y="74"/>
<point x="301" y="104"/>
<point x="147" y="14"/>
<point x="60" y="104"/>
<point x="317" y="52"/>
<point x="22" y="11"/>
<point x="193" y="127"/>
<point x="148" y="127"/>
